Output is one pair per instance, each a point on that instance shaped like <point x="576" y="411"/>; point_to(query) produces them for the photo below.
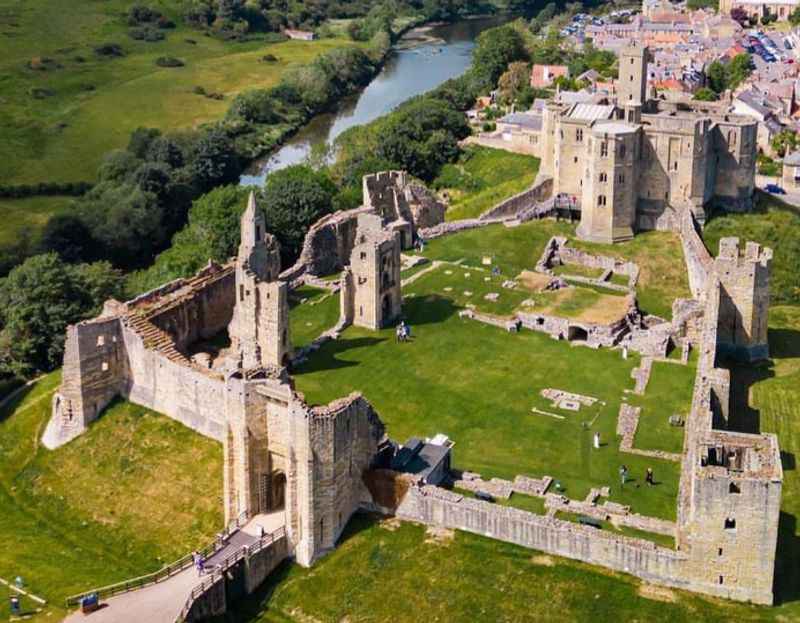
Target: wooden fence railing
<point x="162" y="574"/>
<point x="218" y="572"/>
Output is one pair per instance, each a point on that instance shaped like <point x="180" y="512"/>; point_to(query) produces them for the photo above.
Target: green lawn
<point x="478" y="384"/>
<point x="382" y="571"/>
<point x="318" y="312"/>
<point x="482" y="178"/>
<point x="28" y="216"/>
<point x="669" y="392"/>
<point x="97" y="102"/>
<point x="136" y="491"/>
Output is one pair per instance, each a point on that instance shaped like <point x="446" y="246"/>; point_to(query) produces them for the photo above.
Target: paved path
<point x="162" y="602"/>
<point x="792" y="197"/>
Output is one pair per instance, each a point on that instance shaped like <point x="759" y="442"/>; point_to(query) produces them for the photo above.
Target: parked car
<point x="774" y="189"/>
<point x="482" y="495"/>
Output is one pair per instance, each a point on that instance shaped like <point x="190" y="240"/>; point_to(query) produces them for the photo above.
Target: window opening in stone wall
<point x="719" y="552"/>
<point x="601" y="200"/>
<point x="720" y="579"/>
<point x="603" y="177"/>
<point x="104" y="366"/>
<point x="579" y="135"/>
<point x="241" y="292"/>
<point x="604" y="149"/>
<point x="101" y="340"/>
<point x="734" y="488"/>
<point x="622" y="151"/>
<point x="730" y="524"/>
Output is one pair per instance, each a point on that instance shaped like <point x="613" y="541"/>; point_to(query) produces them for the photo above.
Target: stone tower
<point x="608" y="205"/>
<point x="259" y="329"/>
<point x="744" y="304"/>
<point x="370" y="294"/>
<point x="632" y="82"/>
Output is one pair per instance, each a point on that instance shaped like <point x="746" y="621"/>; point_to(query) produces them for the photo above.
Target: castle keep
<point x="640" y="163"/>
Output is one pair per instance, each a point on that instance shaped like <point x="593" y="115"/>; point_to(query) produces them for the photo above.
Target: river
<point x="416" y="65"/>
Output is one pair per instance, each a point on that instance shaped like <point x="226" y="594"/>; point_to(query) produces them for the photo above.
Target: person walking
<point x="597" y="441"/>
<point x="649" y="477"/>
<point x="623" y="474"/>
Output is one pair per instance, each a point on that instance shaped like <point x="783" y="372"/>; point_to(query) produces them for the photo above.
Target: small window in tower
<point x="361" y="310"/>
<point x="675" y="166"/>
<point x="258" y="232"/>
<point x="734" y="488"/>
<point x="719" y="552"/>
<point x="604" y="149"/>
<point x="720" y="579"/>
<point x="241" y="292"/>
<point x="575" y="159"/>
<point x="631" y="61"/>
<point x="601" y="200"/>
<point x="363" y="255"/>
<point x="104" y="366"/>
<point x="579" y="135"/>
<point x="622" y="151"/>
<point x="730" y="524"/>
<point x="603" y="177"/>
<point x="101" y="340"/>
<point x="621" y="178"/>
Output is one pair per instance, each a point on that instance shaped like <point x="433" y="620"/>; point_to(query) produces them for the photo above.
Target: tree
<point x="794" y="16"/>
<point x="214" y="160"/>
<point x="705" y="95"/>
<point x="738" y="70"/>
<point x="38" y="300"/>
<point x="255" y="106"/>
<point x="140" y="141"/>
<point x="422" y="136"/>
<point x="543" y="17"/>
<point x="514" y="80"/>
<point x="738" y="14"/>
<point x="785" y="142"/>
<point x="294" y="198"/>
<point x="496" y="48"/>
<point x="69" y="237"/>
<point x="717" y="77"/>
<point x="126" y="221"/>
<point x="117" y="165"/>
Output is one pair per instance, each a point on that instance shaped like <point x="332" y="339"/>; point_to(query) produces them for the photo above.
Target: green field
<point x="137" y="491"/>
<point x="98" y="101"/>
<point x="482" y="178"/>
<point x="312" y="312"/>
<point x="27" y="217"/>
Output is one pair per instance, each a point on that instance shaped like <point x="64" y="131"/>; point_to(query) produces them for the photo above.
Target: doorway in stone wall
<point x="386" y="309"/>
<point x="277" y="492"/>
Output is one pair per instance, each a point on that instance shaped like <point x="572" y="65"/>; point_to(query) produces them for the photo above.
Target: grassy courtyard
<point x="479" y="384"/>
<point x="137" y="491"/>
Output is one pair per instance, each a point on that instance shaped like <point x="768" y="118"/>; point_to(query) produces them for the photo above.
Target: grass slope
<point x="27" y="217"/>
<point x="134" y="492"/>
<point x="312" y="311"/>
<point x="98" y="102"/>
<point x="482" y="178"/>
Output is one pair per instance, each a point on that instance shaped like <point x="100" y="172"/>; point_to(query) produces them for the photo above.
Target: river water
<point x="417" y="65"/>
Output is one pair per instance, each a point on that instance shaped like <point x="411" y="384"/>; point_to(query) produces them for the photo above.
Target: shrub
<point x="146" y="33"/>
<point x="269" y="58"/>
<point x="169" y="61"/>
<point x="489" y="126"/>
<point x="109" y="49"/>
<point x="41" y="93"/>
<point x="199" y="90"/>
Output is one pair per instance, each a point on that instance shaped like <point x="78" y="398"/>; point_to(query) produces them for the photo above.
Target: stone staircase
<point x="155" y="339"/>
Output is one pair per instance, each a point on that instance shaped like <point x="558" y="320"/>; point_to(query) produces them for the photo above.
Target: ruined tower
<point x="744" y="301"/>
<point x="608" y="205"/>
<point x="371" y="295"/>
<point x="632" y="82"/>
<point x="259" y="329"/>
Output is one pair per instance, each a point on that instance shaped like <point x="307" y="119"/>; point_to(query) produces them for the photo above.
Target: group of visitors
<point x="403" y="332"/>
<point x="648" y="477"/>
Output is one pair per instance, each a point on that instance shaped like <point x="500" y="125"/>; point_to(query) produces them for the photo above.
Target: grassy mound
<point x="482" y="178"/>
<point x="136" y="491"/>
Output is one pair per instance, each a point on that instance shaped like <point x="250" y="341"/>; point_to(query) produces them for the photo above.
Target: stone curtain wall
<point x="541" y="190"/>
<point x="190" y="395"/>
<point x="699" y="262"/>
<point x="442" y="508"/>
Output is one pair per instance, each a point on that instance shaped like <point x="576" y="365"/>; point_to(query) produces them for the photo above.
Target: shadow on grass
<point x="326" y="358"/>
<point x="11" y="406"/>
<point x="784" y="343"/>
<point x="428" y="309"/>
<point x="787" y="561"/>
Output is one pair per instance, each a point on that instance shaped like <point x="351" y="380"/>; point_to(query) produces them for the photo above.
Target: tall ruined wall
<point x="201" y="315"/>
<point x="334" y="445"/>
<point x="698" y="260"/>
<point x="95" y="371"/>
<point x="190" y="395"/>
<point x="329" y="241"/>
<point x="438" y="507"/>
<point x="735" y="145"/>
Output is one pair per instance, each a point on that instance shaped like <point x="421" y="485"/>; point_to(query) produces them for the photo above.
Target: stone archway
<point x="277" y="497"/>
<point x="386" y="309"/>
